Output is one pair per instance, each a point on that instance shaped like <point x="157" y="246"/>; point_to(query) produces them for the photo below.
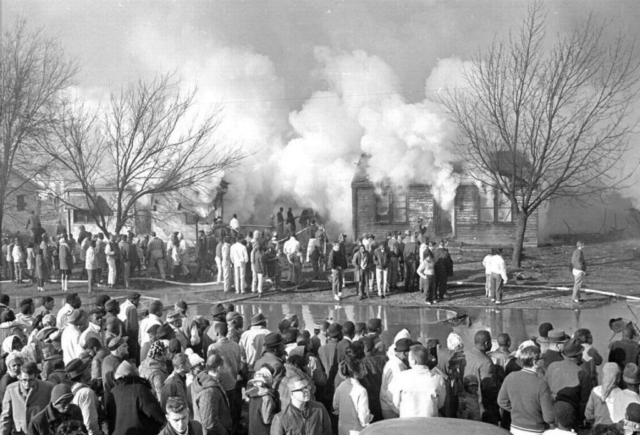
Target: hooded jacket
<point x="210" y="405"/>
<point x="452" y="381"/>
<point x="264" y="404"/>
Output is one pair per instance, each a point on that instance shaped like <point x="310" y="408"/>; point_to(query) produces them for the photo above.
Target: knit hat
<point x="156" y="348"/>
<point x="194" y="358"/>
<point x="126" y="369"/>
<point x="263" y="375"/>
<point x="454" y="342"/>
<point x="61" y="392"/>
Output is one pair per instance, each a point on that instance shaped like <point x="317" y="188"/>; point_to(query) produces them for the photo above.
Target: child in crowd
<point x="469" y="407"/>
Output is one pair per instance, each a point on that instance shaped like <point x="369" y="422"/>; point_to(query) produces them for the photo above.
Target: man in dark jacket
<point x="478" y="363"/>
<point x="364" y="267"/>
<point x="272" y="356"/>
<point x="381" y="260"/>
<point x="337" y="263"/>
<point x="302" y="415"/>
<point x="627" y="350"/>
<point x="411" y="257"/>
<point x="59" y="410"/>
<point x="178" y="419"/>
<point x="443" y="268"/>
<point x="132" y="409"/>
<point x="176" y="384"/>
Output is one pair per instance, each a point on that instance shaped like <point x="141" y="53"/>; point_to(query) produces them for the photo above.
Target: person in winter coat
<point x="178" y="422"/>
<point x="110" y="251"/>
<point x="264" y="402"/>
<point x="382" y="261"/>
<point x="469" y="406"/>
<point x="302" y="415"/>
<point x="449" y="368"/>
<point x="259" y="268"/>
<point x="426" y="274"/>
<point x="17" y="254"/>
<point x="350" y="401"/>
<point x="210" y="404"/>
<point x="31" y="260"/>
<point x="83" y="396"/>
<point x="23" y="400"/>
<point x="40" y="269"/>
<point x="364" y="269"/>
<point x="176" y="383"/>
<point x="154" y="368"/>
<point x="59" y="410"/>
<point x="295" y="367"/>
<point x="600" y="404"/>
<point x="337" y="262"/>
<point x="66" y="262"/>
<point x="131" y="407"/>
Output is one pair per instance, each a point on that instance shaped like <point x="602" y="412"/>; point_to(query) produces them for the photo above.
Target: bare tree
<point x="34" y="72"/>
<point x="538" y="123"/>
<point x="147" y="140"/>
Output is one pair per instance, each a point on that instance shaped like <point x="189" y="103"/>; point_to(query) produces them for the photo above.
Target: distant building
<point x="26" y="203"/>
<point x="477" y="217"/>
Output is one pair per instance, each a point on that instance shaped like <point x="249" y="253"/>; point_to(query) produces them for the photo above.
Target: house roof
<point x="76" y="202"/>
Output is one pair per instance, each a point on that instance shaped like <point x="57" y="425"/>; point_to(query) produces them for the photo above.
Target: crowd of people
<point x="105" y="370"/>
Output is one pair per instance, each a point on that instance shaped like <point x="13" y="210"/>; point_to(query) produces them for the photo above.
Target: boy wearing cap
<point x="59" y="410"/>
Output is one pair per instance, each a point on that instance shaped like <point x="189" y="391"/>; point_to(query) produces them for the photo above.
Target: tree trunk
<point x="521" y="227"/>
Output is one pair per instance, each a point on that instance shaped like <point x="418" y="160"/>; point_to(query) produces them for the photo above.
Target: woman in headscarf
<point x="600" y="405"/>
<point x="10" y="345"/>
<point x="154" y="367"/>
<point x="13" y="362"/>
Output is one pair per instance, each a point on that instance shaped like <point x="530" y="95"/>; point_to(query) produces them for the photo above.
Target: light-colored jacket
<point x="498" y="266"/>
<point x="87" y="401"/>
<point x="391" y="370"/>
<point x="70" y="343"/>
<point x="90" y="258"/>
<point x="418" y="392"/>
<point x="238" y="254"/>
<point x="17" y="410"/>
<point x="17" y="254"/>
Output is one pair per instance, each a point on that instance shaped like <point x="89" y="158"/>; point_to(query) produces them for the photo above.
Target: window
<point x="495" y="206"/>
<point x="391" y="207"/>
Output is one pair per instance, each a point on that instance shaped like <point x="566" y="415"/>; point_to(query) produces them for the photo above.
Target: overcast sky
<point x="307" y="86"/>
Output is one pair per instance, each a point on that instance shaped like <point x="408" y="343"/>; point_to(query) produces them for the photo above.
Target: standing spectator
<point x="85" y="244"/>
<point x="477" y="361"/>
<point x="499" y="278"/>
<point x="252" y="340"/>
<point x="627" y="349"/>
<point x="259" y="269"/>
<point x="234" y="224"/>
<point x="66" y="262"/>
<point x="398" y="362"/>
<point x="631" y="378"/>
<point x="156" y="254"/>
<point x="526" y="396"/>
<point x="273" y="357"/>
<point x="302" y="415"/>
<point x="364" y="267"/>
<point x="350" y="401"/>
<point x="427" y="281"/>
<point x="201" y="255"/>
<point x="154" y="368"/>
<point x="410" y="254"/>
<point x="210" y="405"/>
<point x="110" y="251"/>
<point x="184" y="256"/>
<point x="227" y="265"/>
<point x="7" y="255"/>
<point x="132" y="409"/>
<point x="128" y="315"/>
<point x="124" y="249"/>
<point x="568" y="381"/>
<point x="178" y="423"/>
<point x="590" y="356"/>
<point x="101" y="257"/>
<point x="18" y="256"/>
<point x="264" y="403"/>
<point x="579" y="271"/>
<point x="486" y="263"/>
<point x="239" y="257"/>
<point x="418" y="392"/>
<point x="469" y="404"/>
<point x="154" y="318"/>
<point x="83" y="396"/>
<point x="443" y="270"/>
<point x="59" y="410"/>
<point x="70" y="341"/>
<point x="602" y="397"/>
<point x="500" y="356"/>
<point x="337" y="263"/>
<point x="40" y="269"/>
<point x="31" y="260"/>
<point x="176" y="383"/>
<point x="23" y="400"/>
